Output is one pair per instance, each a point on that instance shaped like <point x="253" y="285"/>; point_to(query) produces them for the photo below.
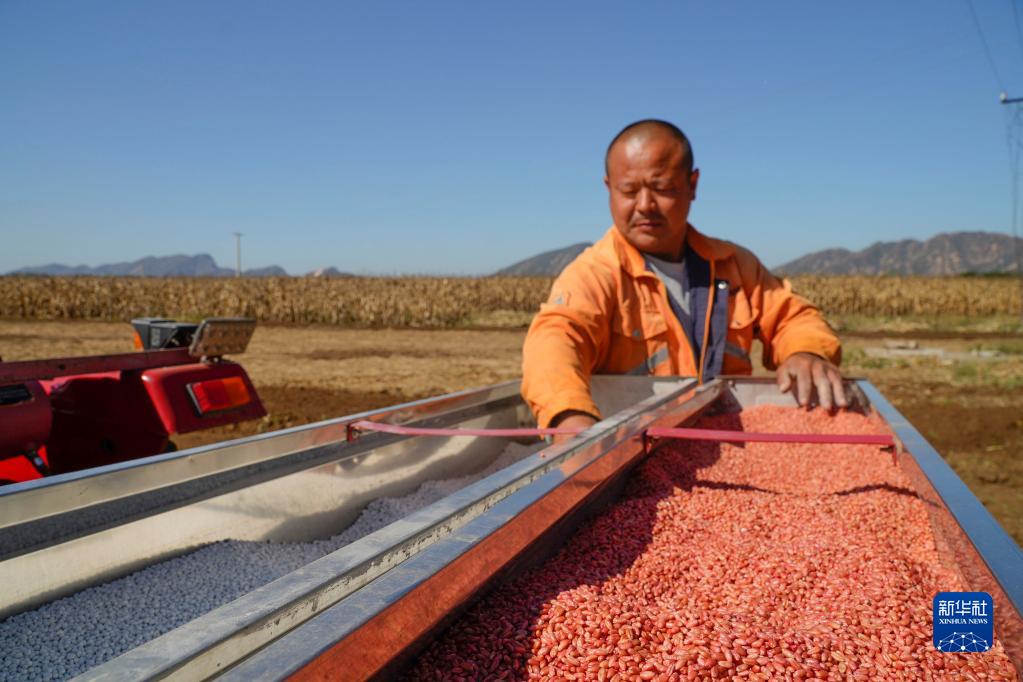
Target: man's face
<point x="650" y="193"/>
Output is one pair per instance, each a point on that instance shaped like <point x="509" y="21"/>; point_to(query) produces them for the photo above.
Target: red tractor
<point x="68" y="414"/>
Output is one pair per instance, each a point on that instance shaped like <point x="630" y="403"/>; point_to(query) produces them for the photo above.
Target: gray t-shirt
<point x="673" y="275"/>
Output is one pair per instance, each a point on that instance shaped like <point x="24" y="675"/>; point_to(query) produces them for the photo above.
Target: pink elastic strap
<point x="421" y="431"/>
<point x="752" y="437"/>
<point x="655" y="432"/>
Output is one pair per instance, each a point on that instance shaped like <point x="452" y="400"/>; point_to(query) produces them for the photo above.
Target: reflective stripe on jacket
<point x="608" y="314"/>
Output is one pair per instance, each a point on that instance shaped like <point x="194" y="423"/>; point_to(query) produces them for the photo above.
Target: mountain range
<point x="201" y="265"/>
<point x="952" y="253"/>
<point x="547" y="263"/>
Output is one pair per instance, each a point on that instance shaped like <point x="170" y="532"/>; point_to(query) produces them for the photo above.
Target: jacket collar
<point x="632" y="260"/>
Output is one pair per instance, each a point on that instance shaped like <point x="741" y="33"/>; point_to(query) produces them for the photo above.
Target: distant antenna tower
<point x="237" y="254"/>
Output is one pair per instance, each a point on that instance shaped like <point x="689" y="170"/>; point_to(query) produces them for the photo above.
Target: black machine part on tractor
<point x="14" y="394"/>
<point x="159" y="332"/>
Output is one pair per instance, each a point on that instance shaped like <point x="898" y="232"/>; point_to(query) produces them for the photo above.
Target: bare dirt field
<point x="963" y="391"/>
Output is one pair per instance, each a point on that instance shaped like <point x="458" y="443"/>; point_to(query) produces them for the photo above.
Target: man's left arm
<point x="799" y="343"/>
<point x="808" y="372"/>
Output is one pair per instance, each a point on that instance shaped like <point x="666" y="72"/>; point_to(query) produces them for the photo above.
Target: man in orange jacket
<point x="654" y="296"/>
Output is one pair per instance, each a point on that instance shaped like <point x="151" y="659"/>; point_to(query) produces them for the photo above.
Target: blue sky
<point x="458" y="137"/>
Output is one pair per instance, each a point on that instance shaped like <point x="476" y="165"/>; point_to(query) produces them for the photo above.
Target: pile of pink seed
<point x="757" y="562"/>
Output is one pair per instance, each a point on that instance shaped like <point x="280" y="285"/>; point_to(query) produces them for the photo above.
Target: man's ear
<point x="694" y="180"/>
<point x="607" y="183"/>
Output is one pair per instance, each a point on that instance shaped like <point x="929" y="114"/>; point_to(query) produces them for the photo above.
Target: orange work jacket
<point x="608" y="314"/>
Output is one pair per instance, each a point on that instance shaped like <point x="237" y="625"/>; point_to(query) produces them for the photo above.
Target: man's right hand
<point x="571" y="419"/>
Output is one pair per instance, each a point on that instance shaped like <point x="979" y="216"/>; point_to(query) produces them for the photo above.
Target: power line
<point x="983" y="41"/>
<point x="1013" y="135"/>
<point x="1019" y="31"/>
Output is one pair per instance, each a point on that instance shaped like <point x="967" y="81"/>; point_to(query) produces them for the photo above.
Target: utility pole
<point x="1014" y="167"/>
<point x="237" y="254"/>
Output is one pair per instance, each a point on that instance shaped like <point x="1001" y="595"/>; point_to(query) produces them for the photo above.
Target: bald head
<point x="650" y="129"/>
<point x="651" y="183"/>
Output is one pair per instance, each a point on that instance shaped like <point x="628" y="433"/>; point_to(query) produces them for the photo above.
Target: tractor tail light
<point x="217" y="395"/>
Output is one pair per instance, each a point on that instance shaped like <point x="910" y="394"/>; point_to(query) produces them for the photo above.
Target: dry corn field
<point x="439" y="301"/>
